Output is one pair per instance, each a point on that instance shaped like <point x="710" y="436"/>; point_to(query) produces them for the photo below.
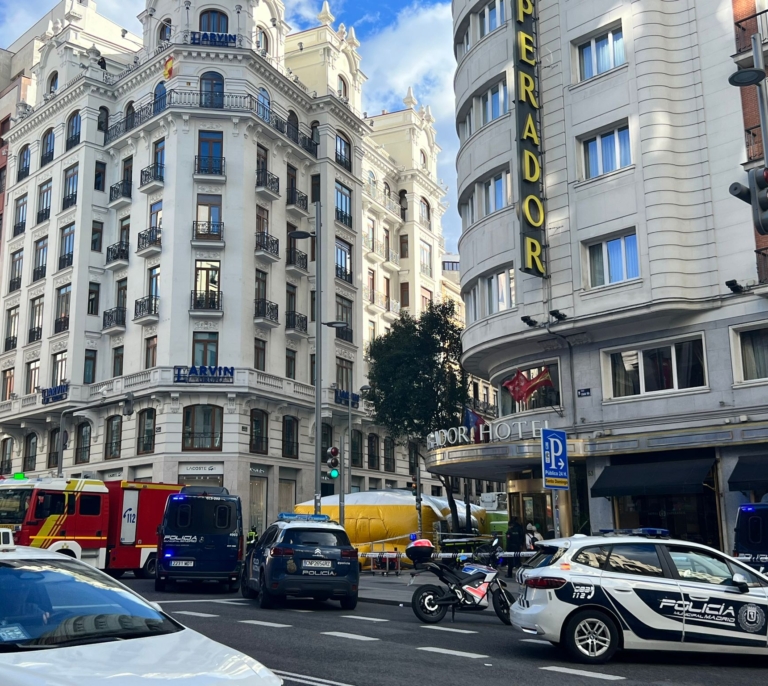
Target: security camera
<point x="124" y="32"/>
<point x="104" y="393"/>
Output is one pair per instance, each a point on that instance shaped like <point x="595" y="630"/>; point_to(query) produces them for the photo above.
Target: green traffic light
<point x="334" y="474"/>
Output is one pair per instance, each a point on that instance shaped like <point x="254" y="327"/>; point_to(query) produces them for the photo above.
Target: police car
<point x="639" y="590"/>
<point x="302" y="555"/>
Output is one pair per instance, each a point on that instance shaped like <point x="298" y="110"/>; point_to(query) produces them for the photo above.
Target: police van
<point x="751" y="540"/>
<point x="639" y="590"/>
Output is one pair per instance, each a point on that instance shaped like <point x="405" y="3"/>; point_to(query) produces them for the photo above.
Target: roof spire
<point x="410" y="101"/>
<point x="325" y="17"/>
<point x="352" y="38"/>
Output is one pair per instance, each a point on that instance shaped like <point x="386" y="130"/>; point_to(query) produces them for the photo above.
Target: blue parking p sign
<point x="554" y="459"/>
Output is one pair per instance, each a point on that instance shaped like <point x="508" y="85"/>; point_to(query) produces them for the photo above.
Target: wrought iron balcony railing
<point x="343" y="273"/>
<point x="154" y="172"/>
<point x="35" y="334"/>
<point x="208" y="231"/>
<point x="61" y="324"/>
<point x="206" y="300"/>
<point x="296" y="258"/>
<point x="72" y="141"/>
<point x="146" y="307"/>
<point x="344" y="161"/>
<point x="121" y="189"/>
<point x="66" y="260"/>
<point x="150" y="237"/>
<point x="266" y="179"/>
<point x="266" y="309"/>
<point x="43" y="215"/>
<point x="344" y="334"/>
<point x="296" y="198"/>
<point x="343" y="218"/>
<point x="10" y="343"/>
<point x="19" y="228"/>
<point x="267" y="243"/>
<point x="69" y="201"/>
<point x="296" y="321"/>
<point x="211" y="166"/>
<point x="114" y="317"/>
<point x="118" y="251"/>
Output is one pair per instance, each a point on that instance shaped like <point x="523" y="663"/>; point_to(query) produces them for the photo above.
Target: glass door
<point x="258" y="504"/>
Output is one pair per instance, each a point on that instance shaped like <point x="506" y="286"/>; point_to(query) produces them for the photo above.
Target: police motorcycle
<point x="469" y="589"/>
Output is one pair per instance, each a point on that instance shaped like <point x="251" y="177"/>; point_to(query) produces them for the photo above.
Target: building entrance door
<point x="532" y="503"/>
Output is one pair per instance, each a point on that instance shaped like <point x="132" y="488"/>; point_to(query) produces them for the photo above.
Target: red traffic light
<point x="333" y="452"/>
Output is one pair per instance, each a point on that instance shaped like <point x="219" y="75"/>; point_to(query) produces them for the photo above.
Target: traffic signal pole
<point x="318" y="359"/>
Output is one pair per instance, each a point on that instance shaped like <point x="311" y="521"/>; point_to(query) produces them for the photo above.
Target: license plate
<point x="317" y="564"/>
<point x="182" y="563"/>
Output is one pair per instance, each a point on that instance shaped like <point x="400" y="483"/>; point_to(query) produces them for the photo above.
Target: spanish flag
<point x="168" y="68"/>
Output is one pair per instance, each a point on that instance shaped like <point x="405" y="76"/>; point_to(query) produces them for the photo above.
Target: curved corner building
<point x="635" y="316"/>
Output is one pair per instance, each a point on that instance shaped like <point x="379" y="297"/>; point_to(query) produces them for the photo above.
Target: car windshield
<point x="200" y="515"/>
<point x="13" y="504"/>
<point x="54" y="603"/>
<point x="329" y="538"/>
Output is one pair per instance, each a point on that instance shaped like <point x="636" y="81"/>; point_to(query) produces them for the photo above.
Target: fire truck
<point x="111" y="525"/>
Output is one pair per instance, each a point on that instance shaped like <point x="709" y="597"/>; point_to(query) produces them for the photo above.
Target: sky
<point x="403" y="43"/>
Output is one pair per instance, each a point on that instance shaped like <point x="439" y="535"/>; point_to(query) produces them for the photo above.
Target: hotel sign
<point x="55" y="394"/>
<point x="220" y="40"/>
<point x="203" y="374"/>
<point x="531" y="196"/>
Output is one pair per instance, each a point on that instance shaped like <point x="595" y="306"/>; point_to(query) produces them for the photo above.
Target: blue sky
<point x="403" y="43"/>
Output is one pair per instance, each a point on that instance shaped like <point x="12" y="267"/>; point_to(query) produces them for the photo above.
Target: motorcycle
<point x="469" y="589"/>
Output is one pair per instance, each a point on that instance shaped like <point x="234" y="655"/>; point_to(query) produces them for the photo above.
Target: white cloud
<point x="417" y="50"/>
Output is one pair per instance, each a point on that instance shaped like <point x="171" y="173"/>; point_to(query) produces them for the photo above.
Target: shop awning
<point x="653" y="478"/>
<point x="750" y="474"/>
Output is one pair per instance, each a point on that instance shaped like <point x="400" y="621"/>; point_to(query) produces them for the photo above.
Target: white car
<point x="595" y="595"/>
<point x="62" y="622"/>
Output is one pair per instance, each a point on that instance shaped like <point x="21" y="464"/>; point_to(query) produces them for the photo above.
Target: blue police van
<point x="201" y="538"/>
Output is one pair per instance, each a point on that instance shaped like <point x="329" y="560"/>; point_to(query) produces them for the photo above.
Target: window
<point x="373" y="451"/>
<point x="425" y="258"/>
<point x="499" y="291"/>
<point x="613" y="261"/>
<point x="262" y="40"/>
<point x="46" y="147"/>
<point x="344" y="152"/>
<point x="371" y="285"/>
<point x="114" y="437"/>
<point x="531" y="388"/>
<point x="93" y="299"/>
<point x="158" y="155"/>
<point x="261" y="285"/>
<point x="121" y="288"/>
<point x="343" y="374"/>
<point x="102" y="123"/>
<point x="344" y="312"/>
<point x="7" y="389"/>
<point x="213" y="21"/>
<point x="343" y="260"/>
<point x="463" y="47"/>
<point x="260" y="355"/>
<point x="405" y="295"/>
<point x="44" y="201"/>
<point x="66" y="246"/>
<point x="89" y="368"/>
<point x="59" y="368"/>
<point x="496" y="193"/>
<point x="24" y="160"/>
<point x="207" y="277"/>
<point x="53" y="82"/>
<point x="675" y="366"/>
<point x="117" y="361"/>
<point x="63" y="297"/>
<point x="754" y="354"/>
<point x="371" y="330"/>
<point x="33" y="377"/>
<point x="700" y="566"/>
<point x="290" y="436"/>
<point x="6" y="456"/>
<point x="389" y="455"/>
<point x="146" y="437"/>
<point x="205" y="349"/>
<point x="11" y="328"/>
<point x="491" y="17"/>
<point x="357" y="448"/>
<point x="312" y="305"/>
<point x="603" y="154"/>
<point x="209" y="225"/>
<point x="494" y="103"/>
<point x="70" y="186"/>
<point x="165" y="31"/>
<point x="73" y="130"/>
<point x="97" y="236"/>
<point x="100" y="177"/>
<point x="290" y="364"/>
<point x="264" y="105"/>
<point x="202" y="427"/>
<point x="426" y="298"/>
<point x="20" y="215"/>
<point x="259" y="430"/>
<point x="36" y="306"/>
<point x="343" y="204"/>
<point x="150" y="352"/>
<point x="635" y="558"/>
<point x="342" y="89"/>
<point x="156" y="215"/>
<point x="83" y="443"/>
<point x="30" y="452"/>
<point x="404" y="247"/>
<point x="17" y="263"/>
<point x="210" y="150"/>
<point x="601" y="54"/>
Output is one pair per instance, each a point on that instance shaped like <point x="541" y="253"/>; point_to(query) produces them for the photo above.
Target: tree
<point x="417" y="383"/>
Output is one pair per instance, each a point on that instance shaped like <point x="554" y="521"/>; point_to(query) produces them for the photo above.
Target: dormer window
<point x="262" y="40"/>
<point x="213" y="21"/>
<point x="165" y="31"/>
<point x="342" y="88"/>
<point x="53" y="82"/>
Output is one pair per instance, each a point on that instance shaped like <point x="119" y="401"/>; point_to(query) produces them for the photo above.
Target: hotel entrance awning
<point x="750" y="474"/>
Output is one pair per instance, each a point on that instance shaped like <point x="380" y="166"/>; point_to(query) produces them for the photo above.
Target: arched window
<point x="130" y="116"/>
<point x="423" y="159"/>
<point x="259" y="432"/>
<point x="424" y="211"/>
<point x="357" y="448"/>
<point x="83" y="444"/>
<point x="54" y="448"/>
<point x="114" y="437"/>
<point x="146" y="437"/>
<point x="165" y="31"/>
<point x="103" y="121"/>
<point x="387" y="190"/>
<point x="315" y="129"/>
<point x="373" y="451"/>
<point x="343" y="91"/>
<point x="202" y="427"/>
<point x="389" y="455"/>
<point x="73" y="130"/>
<point x="264" y="105"/>
<point x="213" y="21"/>
<point x="372" y="180"/>
<point x="159" y="102"/>
<point x="212" y="90"/>
<point x="6" y="456"/>
<point x="46" y="147"/>
<point x="403" y="205"/>
<point x="262" y="40"/>
<point x="343" y="151"/>
<point x="30" y="452"/>
<point x="290" y="436"/>
<point x="293" y="126"/>
<point x="53" y="82"/>
<point x="24" y="160"/>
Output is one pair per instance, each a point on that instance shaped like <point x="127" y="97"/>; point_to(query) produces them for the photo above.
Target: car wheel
<point x="245" y="590"/>
<point x="502" y="606"/>
<point x="115" y="573"/>
<point x="591" y="637"/>
<point x="424" y="606"/>
<point x="160" y="584"/>
<point x="266" y="601"/>
<point x="148" y="570"/>
<point x="349" y="603"/>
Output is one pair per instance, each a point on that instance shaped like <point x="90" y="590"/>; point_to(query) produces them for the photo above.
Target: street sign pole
<point x="554" y="463"/>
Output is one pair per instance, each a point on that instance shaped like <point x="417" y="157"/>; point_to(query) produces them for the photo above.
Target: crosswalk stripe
<point x="193" y="614"/>
<point x="457" y="653"/>
<point x="270" y="624"/>
<point x="447" y="628"/>
<point x="304" y="679"/>
<point x="366" y="619"/>
<point x="583" y="672"/>
<point x="354" y="637"/>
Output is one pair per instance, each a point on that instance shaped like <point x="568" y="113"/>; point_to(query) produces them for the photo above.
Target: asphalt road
<point x="317" y="643"/>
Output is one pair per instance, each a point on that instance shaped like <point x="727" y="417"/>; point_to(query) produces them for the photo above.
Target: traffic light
<point x="757" y="196"/>
<point x="414" y="488"/>
<point x="128" y="405"/>
<point x="333" y="463"/>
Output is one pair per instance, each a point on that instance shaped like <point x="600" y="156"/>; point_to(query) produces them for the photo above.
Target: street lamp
<point x="755" y="76"/>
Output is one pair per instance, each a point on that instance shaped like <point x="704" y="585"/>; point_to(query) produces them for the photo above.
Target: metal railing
<point x="426" y="270"/>
<point x="343" y="218"/>
<point x="290" y="449"/>
<point x="747" y="26"/>
<point x="46" y="158"/>
<point x="484" y="406"/>
<point x="66" y="260"/>
<point x="375" y="246"/>
<point x="19" y="228"/>
<point x="296" y="258"/>
<point x="121" y="189"/>
<point x="762" y="265"/>
<point x="43" y="215"/>
<point x="69" y="201"/>
<point x="14" y="284"/>
<point x="146" y="307"/>
<point x="112" y="450"/>
<point x="39" y="272"/>
<point x="265" y="309"/>
<point x="72" y="141"/>
<point x="35" y="334"/>
<point x="266" y="179"/>
<point x="154" y="172"/>
<point x="114" y="317"/>
<point x="373" y="461"/>
<point x="344" y="161"/>
<point x="259" y="445"/>
<point x="22" y="174"/>
<point x="10" y="343"/>
<point x="343" y="274"/>
<point x="150" y="237"/>
<point x="206" y="300"/>
<point x="118" y="251"/>
<point x="208" y="231"/>
<point x="267" y="243"/>
<point x="211" y="166"/>
<point x="357" y="458"/>
<point x="145" y="444"/>
<point x="394" y="257"/>
<point x="204" y="441"/>
<point x="753" y="139"/>
<point x="296" y="198"/>
<point x="83" y="455"/>
<point x="53" y="459"/>
<point x="344" y="334"/>
<point x="61" y="324"/>
<point x="296" y="321"/>
<point x="386" y="201"/>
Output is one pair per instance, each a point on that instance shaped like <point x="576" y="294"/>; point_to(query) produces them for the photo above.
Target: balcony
<point x="376" y="249"/>
<point x="484" y="407"/>
<point x="344" y="161"/>
<point x="426" y="270"/>
<point x="43" y="215"/>
<point x="35" y="334"/>
<point x="267" y="185"/>
<point x="208" y="234"/>
<point x="210" y="169"/>
<point x="297" y="204"/>
<point x="386" y="201"/>
<point x="296" y="262"/>
<point x="22" y="174"/>
<point x="72" y="141"/>
<point x="19" y="228"/>
<point x="302" y="140"/>
<point x="295" y="325"/>
<point x="38" y="273"/>
<point x="66" y="260"/>
<point x="265" y="314"/>
<point x="344" y="334"/>
<point x="752" y="24"/>
<point x="267" y="246"/>
<point x="147" y="310"/>
<point x="61" y="324"/>
<point x="425" y="222"/>
<point x="762" y="265"/>
<point x="120" y="194"/>
<point x="343" y="218"/>
<point x="14" y="284"/>
<point x="46" y="158"/>
<point x="114" y="321"/>
<point x="343" y="273"/>
<point x="69" y="201"/>
<point x="206" y="304"/>
<point x="53" y="459"/>
<point x="83" y="455"/>
<point x="10" y="343"/>
<point x="117" y="255"/>
<point x="259" y="445"/>
<point x="150" y="243"/>
<point x="394" y="258"/>
<point x="753" y="139"/>
<point x="152" y="178"/>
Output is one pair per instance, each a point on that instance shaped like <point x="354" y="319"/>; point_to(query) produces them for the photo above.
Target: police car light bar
<point x="648" y="532"/>
<point x="291" y="517"/>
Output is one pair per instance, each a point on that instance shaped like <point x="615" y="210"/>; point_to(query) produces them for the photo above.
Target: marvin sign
<point x="221" y="40"/>
<point x="531" y="206"/>
<point x="204" y="374"/>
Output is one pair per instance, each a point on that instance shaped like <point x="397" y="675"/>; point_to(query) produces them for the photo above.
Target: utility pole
<point x="319" y="359"/>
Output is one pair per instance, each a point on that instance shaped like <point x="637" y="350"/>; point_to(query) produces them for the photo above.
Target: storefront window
<point x="258" y="494"/>
<point x="286" y="495"/>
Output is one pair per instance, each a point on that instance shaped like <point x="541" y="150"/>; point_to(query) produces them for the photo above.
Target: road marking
<point x="193" y="614"/>
<point x="354" y="637"/>
<point x="198" y="600"/>
<point x="447" y="628"/>
<point x="258" y="623"/>
<point x="302" y="610"/>
<point x="232" y="602"/>
<point x="540" y="641"/>
<point x="581" y="672"/>
<point x="366" y="619"/>
<point x="457" y="653"/>
<point x="304" y="679"/>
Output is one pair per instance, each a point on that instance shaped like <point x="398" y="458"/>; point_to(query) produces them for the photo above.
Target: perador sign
<point x="530" y="173"/>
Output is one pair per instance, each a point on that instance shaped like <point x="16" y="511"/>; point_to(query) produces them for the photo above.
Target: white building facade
<point x="159" y="322"/>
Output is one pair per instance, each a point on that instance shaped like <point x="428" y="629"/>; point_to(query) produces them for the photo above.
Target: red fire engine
<point x="112" y="525"/>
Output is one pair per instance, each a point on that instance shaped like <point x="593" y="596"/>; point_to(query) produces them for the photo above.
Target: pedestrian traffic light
<point x="333" y="462"/>
<point x="414" y="488"/>
<point x="757" y="196"/>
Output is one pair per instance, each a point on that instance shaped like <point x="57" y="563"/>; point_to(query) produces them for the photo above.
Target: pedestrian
<point x="515" y="543"/>
<point x="531" y="536"/>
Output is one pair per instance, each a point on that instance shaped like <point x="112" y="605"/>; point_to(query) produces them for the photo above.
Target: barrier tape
<point x="447" y="556"/>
